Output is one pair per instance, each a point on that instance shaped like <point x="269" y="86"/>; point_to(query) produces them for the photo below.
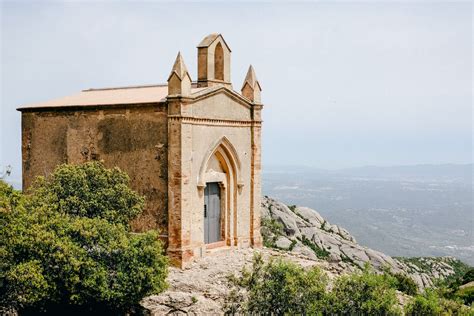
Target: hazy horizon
<point x="344" y="84"/>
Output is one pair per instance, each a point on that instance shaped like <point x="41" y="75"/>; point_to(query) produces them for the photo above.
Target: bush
<point x="468" y="276"/>
<point x="278" y="287"/>
<point x="271" y="229"/>
<point x="466" y="295"/>
<point x="283" y="288"/>
<point x="364" y="293"/>
<point x="89" y="190"/>
<point x="431" y="304"/>
<point x="425" y="304"/>
<point x="405" y="284"/>
<point x="62" y="250"/>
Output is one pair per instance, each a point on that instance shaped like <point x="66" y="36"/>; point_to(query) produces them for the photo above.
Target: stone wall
<point x="133" y="138"/>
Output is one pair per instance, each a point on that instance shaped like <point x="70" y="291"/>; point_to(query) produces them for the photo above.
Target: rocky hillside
<point x="302" y="230"/>
<point x="297" y="234"/>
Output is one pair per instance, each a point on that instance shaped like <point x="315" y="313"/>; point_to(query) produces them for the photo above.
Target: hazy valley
<point x="424" y="210"/>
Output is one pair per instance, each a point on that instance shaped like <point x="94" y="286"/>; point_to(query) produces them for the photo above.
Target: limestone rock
<point x="283" y="242"/>
<point x="316" y="238"/>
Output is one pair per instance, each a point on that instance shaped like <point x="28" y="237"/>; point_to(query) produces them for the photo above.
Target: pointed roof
<point x="209" y="39"/>
<point x="179" y="68"/>
<point x="251" y="79"/>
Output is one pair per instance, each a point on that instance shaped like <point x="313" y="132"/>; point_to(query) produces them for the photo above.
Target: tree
<point x="88" y="190"/>
<point x="67" y="244"/>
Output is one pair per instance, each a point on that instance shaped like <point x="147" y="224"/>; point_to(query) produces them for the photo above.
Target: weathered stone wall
<point x="133" y="138"/>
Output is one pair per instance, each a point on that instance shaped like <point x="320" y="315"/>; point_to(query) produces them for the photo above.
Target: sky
<point x="345" y="84"/>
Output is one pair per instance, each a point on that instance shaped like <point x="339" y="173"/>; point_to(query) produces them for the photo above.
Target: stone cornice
<point x="213" y="122"/>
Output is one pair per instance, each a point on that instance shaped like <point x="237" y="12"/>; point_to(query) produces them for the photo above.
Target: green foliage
<point x="468" y="276"/>
<point x="428" y="264"/>
<point x="271" y="229"/>
<point x="89" y="190"/>
<point x="283" y="288"/>
<point x="292" y="245"/>
<point x="465" y="294"/>
<point x="430" y="304"/>
<point x="318" y="251"/>
<point x="9" y="197"/>
<point x="364" y="293"/>
<point x="423" y="304"/>
<point x="329" y="230"/>
<point x="59" y="247"/>
<point x="278" y="287"/>
<point x="451" y="288"/>
<point x="404" y="283"/>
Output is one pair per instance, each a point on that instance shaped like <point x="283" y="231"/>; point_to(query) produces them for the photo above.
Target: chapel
<point x="191" y="147"/>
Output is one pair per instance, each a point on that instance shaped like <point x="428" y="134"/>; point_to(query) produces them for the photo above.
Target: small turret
<point x="179" y="80"/>
<point x="214" y="62"/>
<point x="251" y="88"/>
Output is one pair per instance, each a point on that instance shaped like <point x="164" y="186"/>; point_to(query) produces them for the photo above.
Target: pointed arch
<point x="224" y="146"/>
<point x="219" y="62"/>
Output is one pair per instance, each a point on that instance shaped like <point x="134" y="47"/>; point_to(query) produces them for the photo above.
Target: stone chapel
<point x="192" y="148"/>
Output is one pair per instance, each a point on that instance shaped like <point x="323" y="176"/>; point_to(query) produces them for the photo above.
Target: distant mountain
<point x="457" y="172"/>
<point x="447" y="172"/>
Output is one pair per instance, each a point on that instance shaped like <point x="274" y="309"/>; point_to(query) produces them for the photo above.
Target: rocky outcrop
<point x="297" y="234"/>
<point x="202" y="287"/>
<point x="304" y="231"/>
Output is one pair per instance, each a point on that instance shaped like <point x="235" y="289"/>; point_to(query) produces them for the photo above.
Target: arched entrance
<point x="219" y="182"/>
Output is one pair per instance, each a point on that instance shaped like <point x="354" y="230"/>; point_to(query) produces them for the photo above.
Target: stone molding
<point x="214" y="122"/>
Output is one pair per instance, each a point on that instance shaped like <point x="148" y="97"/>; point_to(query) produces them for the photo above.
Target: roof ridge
<point x="126" y="87"/>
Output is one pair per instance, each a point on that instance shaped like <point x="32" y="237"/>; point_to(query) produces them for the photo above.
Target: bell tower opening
<point x="219" y="62"/>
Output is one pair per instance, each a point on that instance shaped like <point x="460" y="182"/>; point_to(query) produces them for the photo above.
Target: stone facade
<point x="172" y="140"/>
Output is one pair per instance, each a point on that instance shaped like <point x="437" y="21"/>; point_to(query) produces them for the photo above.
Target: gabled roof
<point x="208" y="40"/>
<point x="128" y="95"/>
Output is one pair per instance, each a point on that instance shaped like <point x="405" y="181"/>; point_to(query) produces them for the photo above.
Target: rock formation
<point x="302" y="230"/>
<point x="297" y="234"/>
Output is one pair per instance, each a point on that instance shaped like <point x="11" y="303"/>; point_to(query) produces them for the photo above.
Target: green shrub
<point x="423" y="304"/>
<point x="364" y="293"/>
<point x="278" y="287"/>
<point x="284" y="288"/>
<point x="321" y="253"/>
<point x="85" y="257"/>
<point x="430" y="303"/>
<point x="271" y="229"/>
<point x="468" y="276"/>
<point x="466" y="295"/>
<point x="404" y="283"/>
<point x="89" y="190"/>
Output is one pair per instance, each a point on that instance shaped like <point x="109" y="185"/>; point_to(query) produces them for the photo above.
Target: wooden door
<point x="212" y="213"/>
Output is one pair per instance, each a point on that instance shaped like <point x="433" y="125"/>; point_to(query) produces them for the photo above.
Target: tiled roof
<point x="109" y="96"/>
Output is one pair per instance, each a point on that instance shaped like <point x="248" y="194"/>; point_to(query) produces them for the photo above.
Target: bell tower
<point x="213" y="62"/>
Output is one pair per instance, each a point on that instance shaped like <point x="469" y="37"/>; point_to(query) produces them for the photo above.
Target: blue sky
<point x="344" y="84"/>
